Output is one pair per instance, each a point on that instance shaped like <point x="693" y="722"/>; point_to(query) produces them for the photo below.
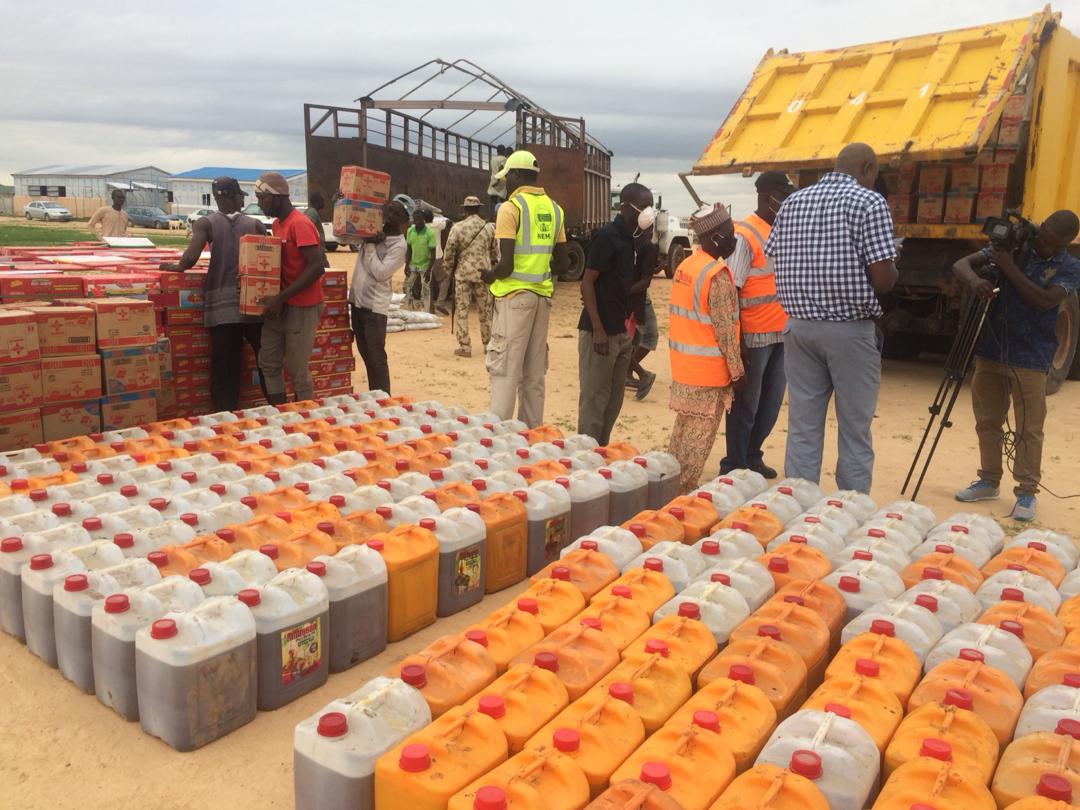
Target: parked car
<point x="150" y="217"/>
<point x="194" y="215"/>
<point x="253" y="211"/>
<point x="46" y="210"/>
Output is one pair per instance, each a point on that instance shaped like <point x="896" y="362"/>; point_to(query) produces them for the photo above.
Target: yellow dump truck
<point x="967" y="123"/>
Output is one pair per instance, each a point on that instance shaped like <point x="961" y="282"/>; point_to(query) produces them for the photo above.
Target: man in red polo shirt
<point x="292" y="316"/>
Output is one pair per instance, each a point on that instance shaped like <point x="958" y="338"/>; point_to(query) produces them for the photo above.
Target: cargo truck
<point x="967" y="124"/>
<point x="436" y="140"/>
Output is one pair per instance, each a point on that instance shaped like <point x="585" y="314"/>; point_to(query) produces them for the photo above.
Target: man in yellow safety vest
<point x="532" y="241"/>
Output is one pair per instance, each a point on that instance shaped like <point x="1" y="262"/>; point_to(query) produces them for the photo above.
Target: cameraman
<point x="1015" y="350"/>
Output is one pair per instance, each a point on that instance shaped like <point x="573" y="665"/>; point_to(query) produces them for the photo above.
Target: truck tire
<point x="354" y="248"/>
<point x="678" y="251"/>
<point x="575" y="262"/>
<point x="1068" y="330"/>
<point x="331" y="247"/>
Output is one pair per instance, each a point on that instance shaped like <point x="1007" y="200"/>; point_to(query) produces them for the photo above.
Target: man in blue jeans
<point x="762" y="320"/>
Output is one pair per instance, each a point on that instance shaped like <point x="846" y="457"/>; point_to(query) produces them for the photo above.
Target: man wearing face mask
<point x="703" y="338"/>
<point x="762" y="319"/>
<point x="833" y="249"/>
<point x="604" y="344"/>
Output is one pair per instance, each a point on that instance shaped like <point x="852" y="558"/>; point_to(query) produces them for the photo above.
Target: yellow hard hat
<point x="519" y="160"/>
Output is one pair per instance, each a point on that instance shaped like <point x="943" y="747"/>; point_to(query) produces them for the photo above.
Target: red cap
<point x="384" y="511"/>
<point x="927" y="601"/>
<point x="932" y="572"/>
<point x="19" y="483"/>
<point x="861" y="554"/>
<point x="1054" y="786"/>
<point x="40" y="562"/>
<point x="1069" y="727"/>
<point x="489" y="797"/>
<point x="785" y="490"/>
<point x="273" y="475"/>
<point x="960" y="527"/>
<point x="158" y="558"/>
<point x="839" y="709"/>
<point x="200" y="576"/>
<point x="710" y="721"/>
<point x="805" y="763"/>
<point x="190" y="476"/>
<point x="839" y="504"/>
<point x="656" y="646"/>
<point x="11" y="544"/>
<point x="944" y="548"/>
<point x="721" y="577"/>
<point x="875" y="533"/>
<point x="528" y="605"/>
<point x="546" y="660"/>
<point x="477" y="637"/>
<point x="883" y="627"/>
<point x="427" y="523"/>
<point x="653" y="564"/>
<point x="849" y="584"/>
<point x="779" y="564"/>
<point x="479" y="484"/>
<point x="337" y="500"/>
<point x="621" y="690"/>
<point x="190" y="518"/>
<point x="492" y="706"/>
<point x="656" y="773"/>
<point x="1035" y="544"/>
<point x="61" y="509"/>
<point x="249" y="596"/>
<point x="689" y="610"/>
<point x="270" y="550"/>
<point x="677" y="512"/>
<point x="414" y="675"/>
<point x="317" y="567"/>
<point x="813" y="520"/>
<point x="163" y="628"/>
<point x="332" y="724"/>
<point x="1016" y="567"/>
<point x="637" y="529"/>
<point x="936" y="749"/>
<point x="564" y="482"/>
<point x="796" y="538"/>
<point x="769" y="631"/>
<point x="705" y="495"/>
<point x="105" y="479"/>
<point x="710" y="547"/>
<point x="117" y="603"/>
<point x="622" y="591"/>
<point x="960" y="698"/>
<point x="566" y="740"/>
<point x="521" y="495"/>
<point x="560" y="572"/>
<point x="867" y="667"/>
<point x="92" y="524"/>
<point x="76" y="582"/>
<point x="283" y="514"/>
<point x="415" y="758"/>
<point x="741" y="672"/>
<point x="1012" y="595"/>
<point x="1010" y="626"/>
<point x="794" y="598"/>
<point x="38" y="495"/>
<point x="303" y="486"/>
<point x="1072" y="679"/>
<point x="130" y="490"/>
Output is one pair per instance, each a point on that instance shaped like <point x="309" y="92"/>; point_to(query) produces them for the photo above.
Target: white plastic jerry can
<point x="356" y="582"/>
<point x="617" y="544"/>
<point x="682" y="564"/>
<point x="919" y="516"/>
<point x="998" y="648"/>
<point x="548" y="506"/>
<point x="15" y="553"/>
<point x="915" y="625"/>
<point x="722" y="607"/>
<point x="746" y="575"/>
<point x="952" y="604"/>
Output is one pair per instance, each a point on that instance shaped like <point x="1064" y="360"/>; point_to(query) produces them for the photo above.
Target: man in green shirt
<point x="419" y="257"/>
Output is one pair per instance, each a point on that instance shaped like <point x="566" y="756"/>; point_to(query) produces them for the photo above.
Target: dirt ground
<point x="63" y="749"/>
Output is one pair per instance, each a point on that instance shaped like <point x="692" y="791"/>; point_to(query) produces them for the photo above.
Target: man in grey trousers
<point x="833" y="249"/>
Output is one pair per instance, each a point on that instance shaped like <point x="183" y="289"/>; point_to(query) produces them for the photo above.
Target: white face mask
<point x="645" y="218"/>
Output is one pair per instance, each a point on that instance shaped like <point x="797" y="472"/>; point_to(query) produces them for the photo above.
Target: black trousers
<point x="226" y="342"/>
<point x="369" y="328"/>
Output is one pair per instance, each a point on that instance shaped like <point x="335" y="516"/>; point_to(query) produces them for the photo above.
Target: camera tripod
<point x="957" y="365"/>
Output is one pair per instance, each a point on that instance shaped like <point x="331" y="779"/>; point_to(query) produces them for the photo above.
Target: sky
<point x="224" y="84"/>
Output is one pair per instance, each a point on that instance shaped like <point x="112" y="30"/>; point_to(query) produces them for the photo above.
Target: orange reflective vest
<point x="759" y="308"/>
<point x="695" y="357"/>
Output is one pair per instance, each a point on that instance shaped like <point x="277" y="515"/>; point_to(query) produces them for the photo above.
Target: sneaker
<point x="977" y="491"/>
<point x="645" y="386"/>
<point x="1024" y="508"/>
<point x="461" y="352"/>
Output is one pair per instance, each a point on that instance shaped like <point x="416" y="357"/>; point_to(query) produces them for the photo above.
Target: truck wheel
<point x="575" y="262"/>
<point x="1068" y="329"/>
<point x="331" y="247"/>
<point x="676" y="253"/>
<point x="354" y="248"/>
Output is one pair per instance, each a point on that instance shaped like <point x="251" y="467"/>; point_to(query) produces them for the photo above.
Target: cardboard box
<point x="931" y="208"/>
<point x="1006" y="156"/>
<point x="965" y="178"/>
<point x="190" y="365"/>
<point x="1010" y="132"/>
<point x="194" y="380"/>
<point x="165" y="358"/>
<point x="20" y="386"/>
<point x="190" y="341"/>
<point x="20" y="429"/>
<point x="259" y="271"/>
<point x="995" y="177"/>
<point x="959" y="208"/>
<point x="334" y="322"/>
<point x="128" y="410"/>
<point x="357" y="181"/>
<point x="166" y="403"/>
<point x="989" y="204"/>
<point x="127" y="370"/>
<point x="183" y="317"/>
<point x="932" y="178"/>
<point x="123" y="322"/>
<point x="64" y="379"/>
<point x="111" y="285"/>
<point x="18" y="336"/>
<point x="902" y="207"/>
<point x="354" y="219"/>
<point x="66" y="419"/>
<point x="48" y="286"/>
<point x="256" y="289"/>
<point x="1015" y="107"/>
<point x="65" y="330"/>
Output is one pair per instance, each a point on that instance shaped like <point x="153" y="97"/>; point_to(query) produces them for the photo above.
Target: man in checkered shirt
<point x="833" y="249"/>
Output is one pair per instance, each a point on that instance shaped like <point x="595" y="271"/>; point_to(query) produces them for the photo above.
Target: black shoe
<point x="765" y="471"/>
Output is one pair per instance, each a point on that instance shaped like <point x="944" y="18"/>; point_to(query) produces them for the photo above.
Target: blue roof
<point x="244" y="175"/>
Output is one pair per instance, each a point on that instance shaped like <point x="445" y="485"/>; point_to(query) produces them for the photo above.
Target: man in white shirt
<point x="436" y="286"/>
<point x="379" y="258"/>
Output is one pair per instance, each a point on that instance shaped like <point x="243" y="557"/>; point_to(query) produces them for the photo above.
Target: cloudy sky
<point x="224" y="84"/>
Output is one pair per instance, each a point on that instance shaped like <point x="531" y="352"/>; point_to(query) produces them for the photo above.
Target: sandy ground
<point x="63" y="749"/>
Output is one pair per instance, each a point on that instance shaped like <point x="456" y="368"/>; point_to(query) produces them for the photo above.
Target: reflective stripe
<point x="526" y="246"/>
<point x="764" y="271"/>
<point x="755" y="231"/>
<point x="701" y="280"/>
<point x="531" y="278"/>
<point x="757" y="301"/>
<point x="697" y="351"/>
<point x="691" y="315"/>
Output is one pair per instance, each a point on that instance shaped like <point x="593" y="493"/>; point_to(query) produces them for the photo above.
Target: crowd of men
<point x="785" y="301"/>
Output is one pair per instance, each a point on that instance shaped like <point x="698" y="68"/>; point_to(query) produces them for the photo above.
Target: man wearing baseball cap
<point x="470" y="250"/>
<point x="757" y="402"/>
<point x="229" y="329"/>
<point x="532" y="244"/>
<point x="292" y="316"/>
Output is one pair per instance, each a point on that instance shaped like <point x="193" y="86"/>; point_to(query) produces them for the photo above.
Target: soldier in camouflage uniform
<point x="470" y="248"/>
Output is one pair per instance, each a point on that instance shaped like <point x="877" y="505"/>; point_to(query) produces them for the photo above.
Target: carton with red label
<point x="48" y="285"/>
<point x="71" y="377"/>
<point x="128" y="410"/>
<point x="189" y="341"/>
<point x="66" y="419"/>
<point x="18" y="336"/>
<point x="127" y="370"/>
<point x="357" y="181"/>
<point x="64" y="330"/>
<point x="122" y="322"/>
<point x="259" y="271"/>
<point x="19" y="429"/>
<point x="111" y="285"/>
<point x="20" y="386"/>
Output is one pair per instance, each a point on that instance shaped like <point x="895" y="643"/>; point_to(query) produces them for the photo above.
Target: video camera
<point x="1011" y="233"/>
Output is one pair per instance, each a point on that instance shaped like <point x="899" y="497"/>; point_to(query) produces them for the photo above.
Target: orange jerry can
<point x="300" y="549"/>
<point x="823" y="599"/>
<point x="507" y="539"/>
<point x="554" y="601"/>
<point x="746" y="716"/>
<point x="633" y="794"/>
<point x="1039" y="629"/>
<point x="430" y="766"/>
<point x="764" y="662"/>
<point x="614" y="451"/>
<point x="943" y="565"/>
<point x="696" y="515"/>
<point x="608" y="730"/>
<point x="1069" y="613"/>
<point x="357" y="528"/>
<point x="792" y="562"/>
<point x="798" y="626"/>
<point x="174" y="560"/>
<point x="1051" y="786"/>
<point x="1034" y="560"/>
<point x="767" y="787"/>
<point x="1057" y="666"/>
<point x="411" y="555"/>
<point x="456" y="493"/>
<point x="579" y="655"/>
<point x="276" y="501"/>
<point x="868" y="701"/>
<point x="590" y="571"/>
<point x="654" y="686"/>
<point x="522" y="701"/>
<point x="546" y="470"/>
<point x="684" y="753"/>
<point x="621" y="619"/>
<point x="542" y="433"/>
<point x="685" y="641"/>
<point x="654" y="526"/>
<point x="763" y="524"/>
<point x="507" y="633"/>
<point x="536" y="779"/>
<point x="932" y="782"/>
<point x="973" y="685"/>
<point x="447" y="672"/>
<point x="1037" y="765"/>
<point x="900" y="668"/>
<point x="649" y="589"/>
<point x="972" y="742"/>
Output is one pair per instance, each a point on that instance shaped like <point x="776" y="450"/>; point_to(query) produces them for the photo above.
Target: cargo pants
<point x="286" y="349"/>
<point x="992" y="386"/>
<point x="517" y="356"/>
<point x="465" y="293"/>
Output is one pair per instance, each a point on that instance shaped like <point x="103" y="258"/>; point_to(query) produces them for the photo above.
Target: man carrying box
<point x="222" y="229"/>
<point x="292" y="316"/>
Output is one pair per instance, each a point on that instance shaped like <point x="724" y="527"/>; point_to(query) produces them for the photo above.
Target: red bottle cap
<point x="163" y="628"/>
<point x="960" y="698"/>
<point x="302" y="486"/>
<point x="883" y="627"/>
<point x="1010" y="626"/>
<point x="1072" y="679"/>
<point x="546" y="660"/>
<point x="1012" y="595"/>
<point x="92" y="524"/>
<point x="722" y="578"/>
<point x="427" y="523"/>
<point x="653" y="564"/>
<point x="794" y="599"/>
<point x="677" y="512"/>
<point x="867" y="667"/>
<point x="936" y="749"/>
<point x="968" y="654"/>
<point x="19" y="484"/>
<point x="779" y="564"/>
<point x="741" y="672"/>
<point x="769" y="631"/>
<point x="11" y="544"/>
<point x="1054" y="786"/>
<point x="1016" y="567"/>
<point x="38" y="495"/>
<point x="40" y="562"/>
<point x="622" y="591"/>
<point x="561" y="573"/>
<point x="158" y="558"/>
<point x="317" y="567"/>
<point x="528" y="605"/>
<point x="849" y="584"/>
<point x="384" y="512"/>
<point x="270" y="550"/>
<point x="710" y="721"/>
<point x="943" y="548"/>
<point x="592" y="622"/>
<point x="415" y="758"/>
<point x="190" y="518"/>
<point x="932" y="572"/>
<point x="813" y="520"/>
<point x="414" y="675"/>
<point x="621" y="690"/>
<point x="117" y="603"/>
<point x="190" y="476"/>
<point x="200" y="576"/>
<point x="797" y="538"/>
<point x="705" y="495"/>
<point x="61" y="509"/>
<point x="1069" y="727"/>
<point x="927" y="601"/>
<point x="332" y="724"/>
<point x="521" y="495"/>
<point x="76" y="582"/>
<point x="490" y="797"/>
<point x="689" y="610"/>
<point x="249" y="596"/>
<point x="477" y="637"/>
<point x="589" y="545"/>
<point x="960" y="527"/>
<point x="273" y="475"/>
<point x="566" y="740"/>
<point x="105" y="479"/>
<point x="710" y="547"/>
<point x="638" y="529"/>
<point x="492" y="705"/>
<point x="1037" y="545"/>
<point x="656" y="773"/>
<point x="878" y="533"/>
<point x="805" y="763"/>
<point x="862" y="554"/>
<point x="839" y="709"/>
<point x="785" y="491"/>
<point x="656" y="646"/>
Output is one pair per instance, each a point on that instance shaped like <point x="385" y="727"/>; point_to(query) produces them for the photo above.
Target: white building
<point x="83" y="189"/>
<point x="191" y="190"/>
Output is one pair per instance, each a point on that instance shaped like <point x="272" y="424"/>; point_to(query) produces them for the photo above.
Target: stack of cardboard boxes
<point x="70" y="371"/>
<point x="127" y="341"/>
<point x="358" y="212"/>
<point x="184" y="344"/>
<point x="960" y="201"/>
<point x="20" y="380"/>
